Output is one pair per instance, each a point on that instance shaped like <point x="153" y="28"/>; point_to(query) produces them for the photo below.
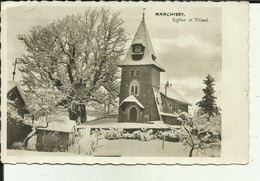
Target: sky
<point x="187" y="50"/>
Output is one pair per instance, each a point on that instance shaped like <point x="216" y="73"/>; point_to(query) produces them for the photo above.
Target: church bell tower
<point x="140" y="74"/>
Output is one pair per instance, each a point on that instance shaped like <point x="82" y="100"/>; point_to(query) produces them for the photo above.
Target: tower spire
<point x="141" y="51"/>
<point x="143" y="13"/>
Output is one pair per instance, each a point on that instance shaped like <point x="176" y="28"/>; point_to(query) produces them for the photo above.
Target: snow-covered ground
<point x="85" y="143"/>
<point x="112" y="123"/>
<point x="123" y="147"/>
<point x="153" y="148"/>
<point x="126" y="125"/>
<point x="38" y="153"/>
<point x="91" y="118"/>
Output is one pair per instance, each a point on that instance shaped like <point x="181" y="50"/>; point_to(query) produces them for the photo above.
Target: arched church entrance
<point x="133" y="114"/>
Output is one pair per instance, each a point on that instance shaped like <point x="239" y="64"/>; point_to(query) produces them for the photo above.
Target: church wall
<point x="171" y="120"/>
<point x="124" y="113"/>
<point x="145" y="96"/>
<point x="154" y="110"/>
<point x="170" y="105"/>
<point x="155" y="77"/>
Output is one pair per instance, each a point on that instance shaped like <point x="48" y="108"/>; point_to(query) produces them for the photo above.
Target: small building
<point x="170" y="104"/>
<point x="143" y="98"/>
<point x="56" y="137"/>
<point x="17" y="130"/>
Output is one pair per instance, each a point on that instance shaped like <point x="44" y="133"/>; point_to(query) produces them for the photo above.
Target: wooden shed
<point x="56" y="137"/>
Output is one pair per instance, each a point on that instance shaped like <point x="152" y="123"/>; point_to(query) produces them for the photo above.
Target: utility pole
<point x="14" y="68"/>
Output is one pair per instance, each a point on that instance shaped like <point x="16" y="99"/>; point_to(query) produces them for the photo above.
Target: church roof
<point x="142" y="37"/>
<point x="173" y="94"/>
<point x="132" y="98"/>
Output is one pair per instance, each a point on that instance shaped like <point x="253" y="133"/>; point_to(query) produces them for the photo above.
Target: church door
<point x="133" y="114"/>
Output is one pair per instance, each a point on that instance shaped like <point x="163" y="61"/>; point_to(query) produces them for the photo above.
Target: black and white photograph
<point x="102" y="81"/>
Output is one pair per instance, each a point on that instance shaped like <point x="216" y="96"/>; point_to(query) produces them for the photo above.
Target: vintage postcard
<point x="124" y="83"/>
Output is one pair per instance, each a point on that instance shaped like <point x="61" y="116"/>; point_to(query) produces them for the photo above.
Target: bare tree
<point x="43" y="111"/>
<point x="74" y="57"/>
<point x="107" y="100"/>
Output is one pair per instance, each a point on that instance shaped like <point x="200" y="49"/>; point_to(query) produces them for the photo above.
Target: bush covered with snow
<point x="83" y="142"/>
<point x="169" y="136"/>
<point x="17" y="145"/>
<point x="142" y="134"/>
<point x="110" y="134"/>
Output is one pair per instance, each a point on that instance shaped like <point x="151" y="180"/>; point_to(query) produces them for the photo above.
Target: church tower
<point x="140" y="74"/>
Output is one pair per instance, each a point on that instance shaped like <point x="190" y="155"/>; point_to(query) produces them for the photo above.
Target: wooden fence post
<point x="163" y="142"/>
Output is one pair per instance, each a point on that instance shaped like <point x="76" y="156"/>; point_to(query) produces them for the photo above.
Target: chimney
<point x="166" y="86"/>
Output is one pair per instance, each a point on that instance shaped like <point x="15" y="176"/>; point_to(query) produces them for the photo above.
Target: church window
<point x="134" y="88"/>
<point x="153" y="57"/>
<point x="132" y="72"/>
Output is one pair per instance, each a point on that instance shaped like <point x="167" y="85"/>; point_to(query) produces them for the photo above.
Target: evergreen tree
<point x="208" y="102"/>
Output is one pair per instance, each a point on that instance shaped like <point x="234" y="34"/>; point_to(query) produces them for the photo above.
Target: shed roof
<point x="142" y="37"/>
<point x="173" y="94"/>
<point x="67" y="126"/>
<point x="169" y="114"/>
<point x="132" y="98"/>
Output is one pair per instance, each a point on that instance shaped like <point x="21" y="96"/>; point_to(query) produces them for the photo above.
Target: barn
<point x="17" y="130"/>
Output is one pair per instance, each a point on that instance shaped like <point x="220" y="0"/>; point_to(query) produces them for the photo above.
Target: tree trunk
<point x="78" y="113"/>
<point x="29" y="136"/>
<point x="83" y="113"/>
<point x="191" y="150"/>
<point x="73" y="114"/>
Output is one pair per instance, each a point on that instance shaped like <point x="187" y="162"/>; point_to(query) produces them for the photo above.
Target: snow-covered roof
<point x="67" y="126"/>
<point x="142" y="37"/>
<point x="169" y="114"/>
<point x="132" y="98"/>
<point x="13" y="84"/>
<point x="173" y="94"/>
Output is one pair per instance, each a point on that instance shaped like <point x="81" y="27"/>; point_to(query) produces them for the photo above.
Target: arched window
<point x="134" y="88"/>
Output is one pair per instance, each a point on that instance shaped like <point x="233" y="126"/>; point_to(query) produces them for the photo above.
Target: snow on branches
<point x="198" y="133"/>
<point x="74" y="57"/>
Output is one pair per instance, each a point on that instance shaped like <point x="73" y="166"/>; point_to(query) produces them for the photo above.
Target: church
<point x="143" y="98"/>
